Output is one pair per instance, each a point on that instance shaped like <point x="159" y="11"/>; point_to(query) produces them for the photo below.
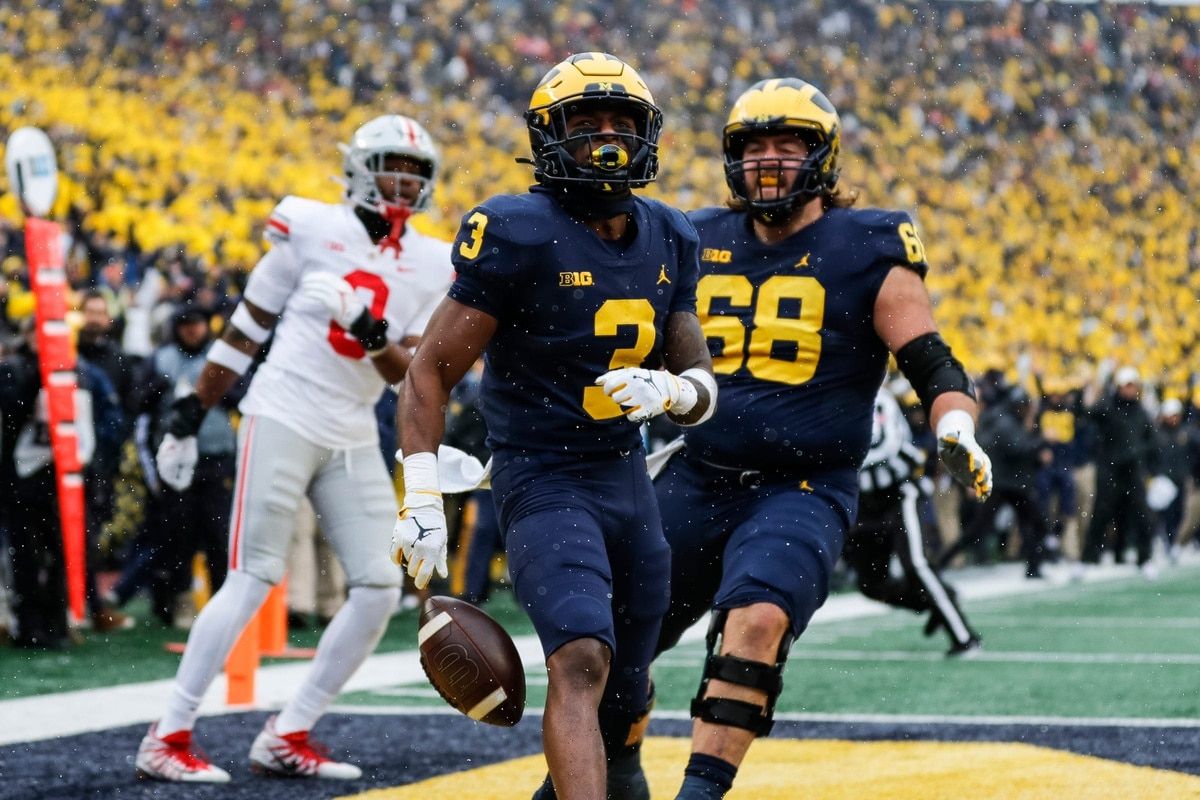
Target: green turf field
<point x="140" y="654"/>
<point x="1082" y="690"/>
<point x="1122" y="649"/>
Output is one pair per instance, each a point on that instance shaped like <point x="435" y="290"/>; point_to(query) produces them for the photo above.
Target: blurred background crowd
<point x="1049" y="152"/>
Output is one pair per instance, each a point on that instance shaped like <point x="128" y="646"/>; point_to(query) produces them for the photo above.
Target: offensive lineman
<point x="801" y="298"/>
<point x="348" y="288"/>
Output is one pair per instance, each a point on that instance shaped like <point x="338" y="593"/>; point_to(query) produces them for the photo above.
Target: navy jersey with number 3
<point x="571" y="306"/>
<point x="791" y="332"/>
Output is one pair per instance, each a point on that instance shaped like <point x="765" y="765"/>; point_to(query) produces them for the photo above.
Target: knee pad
<point x="374" y="602"/>
<point x="249" y="590"/>
<point x="768" y="678"/>
<point x="622" y="730"/>
<point x="268" y="572"/>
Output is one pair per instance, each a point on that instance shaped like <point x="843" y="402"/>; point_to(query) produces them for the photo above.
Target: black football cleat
<point x="965" y="650"/>
<point x="626" y="781"/>
<point x="545" y="791"/>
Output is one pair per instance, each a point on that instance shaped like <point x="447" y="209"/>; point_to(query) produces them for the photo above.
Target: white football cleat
<point x="295" y="755"/>
<point x="171" y="758"/>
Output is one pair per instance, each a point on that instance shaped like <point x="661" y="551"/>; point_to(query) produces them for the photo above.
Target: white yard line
<point x="951" y="719"/>
<point x="999" y="656"/>
<point x="1174" y="623"/>
<point x="848" y="719"/>
<point x="66" y="713"/>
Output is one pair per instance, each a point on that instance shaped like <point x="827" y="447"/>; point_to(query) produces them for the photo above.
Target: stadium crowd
<point x="1049" y="152"/>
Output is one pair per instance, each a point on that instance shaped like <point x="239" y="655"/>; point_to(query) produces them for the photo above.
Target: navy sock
<point x="707" y="778"/>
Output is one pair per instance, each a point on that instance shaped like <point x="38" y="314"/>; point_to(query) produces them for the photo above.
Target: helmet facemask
<point x="364" y="163"/>
<point x="816" y="175"/>
<point x="367" y="169"/>
<point x="611" y="168"/>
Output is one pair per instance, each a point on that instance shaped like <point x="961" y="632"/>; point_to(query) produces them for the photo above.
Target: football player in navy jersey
<point x="581" y="296"/>
<point x="801" y="298"/>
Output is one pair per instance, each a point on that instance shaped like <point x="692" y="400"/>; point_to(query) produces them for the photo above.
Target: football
<point x="471" y="661"/>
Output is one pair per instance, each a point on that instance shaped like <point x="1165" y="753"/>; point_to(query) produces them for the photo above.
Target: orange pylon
<point x="242" y="665"/>
<point x="272" y="622"/>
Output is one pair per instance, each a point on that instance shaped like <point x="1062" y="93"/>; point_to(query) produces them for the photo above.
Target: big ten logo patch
<point x="574" y="279"/>
<point x="716" y="256"/>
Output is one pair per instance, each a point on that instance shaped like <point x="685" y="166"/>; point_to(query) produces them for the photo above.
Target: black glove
<point x="370" y="332"/>
<point x="185" y="416"/>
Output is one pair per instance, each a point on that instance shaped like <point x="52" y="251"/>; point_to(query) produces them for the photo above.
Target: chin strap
<point x="397" y="216"/>
<point x="590" y="204"/>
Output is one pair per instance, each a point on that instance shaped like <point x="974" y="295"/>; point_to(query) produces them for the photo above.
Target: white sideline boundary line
<point x="813" y="655"/>
<point x="29" y="719"/>
<point x="847" y="719"/>
<point x="49" y="716"/>
<point x="1104" y="623"/>
<point x="1003" y="657"/>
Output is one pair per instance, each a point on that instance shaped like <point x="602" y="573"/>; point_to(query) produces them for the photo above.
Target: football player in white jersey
<point x="348" y="288"/>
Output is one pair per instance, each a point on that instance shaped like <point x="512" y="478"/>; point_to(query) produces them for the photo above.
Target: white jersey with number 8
<point x="317" y="380"/>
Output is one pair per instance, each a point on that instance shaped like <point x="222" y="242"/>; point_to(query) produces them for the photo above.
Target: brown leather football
<point x="471" y="661"/>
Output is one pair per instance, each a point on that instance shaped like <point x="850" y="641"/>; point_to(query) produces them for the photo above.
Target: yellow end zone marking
<point x="779" y="769"/>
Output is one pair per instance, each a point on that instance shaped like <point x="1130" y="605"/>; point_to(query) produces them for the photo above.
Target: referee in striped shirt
<point x="892" y="481"/>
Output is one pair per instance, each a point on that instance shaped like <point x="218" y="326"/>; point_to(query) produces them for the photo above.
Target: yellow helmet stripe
<point x="587" y="73"/>
<point x="785" y="102"/>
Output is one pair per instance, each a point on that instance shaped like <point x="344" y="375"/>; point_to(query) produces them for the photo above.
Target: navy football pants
<point x="587" y="557"/>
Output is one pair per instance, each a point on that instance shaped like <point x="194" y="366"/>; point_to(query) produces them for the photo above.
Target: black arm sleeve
<point x="932" y="369"/>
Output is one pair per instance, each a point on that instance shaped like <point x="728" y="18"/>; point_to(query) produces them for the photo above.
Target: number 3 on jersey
<point x="478" y="222"/>
<point x="768" y="328"/>
<point x="609" y="317"/>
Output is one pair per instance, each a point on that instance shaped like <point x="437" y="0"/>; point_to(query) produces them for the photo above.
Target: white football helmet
<point x="362" y="161"/>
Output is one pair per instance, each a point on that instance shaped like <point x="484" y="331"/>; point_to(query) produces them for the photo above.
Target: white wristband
<point x="687" y="396"/>
<point x="956" y="421"/>
<point x="704" y="379"/>
<point x="421" y="474"/>
<point x="245" y="322"/>
<point x="228" y="356"/>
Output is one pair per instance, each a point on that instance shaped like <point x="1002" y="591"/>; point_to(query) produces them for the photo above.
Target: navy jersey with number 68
<point x="792" y="336"/>
<point x="571" y="306"/>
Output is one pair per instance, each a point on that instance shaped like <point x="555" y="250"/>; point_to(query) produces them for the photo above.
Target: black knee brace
<point x="753" y="674"/>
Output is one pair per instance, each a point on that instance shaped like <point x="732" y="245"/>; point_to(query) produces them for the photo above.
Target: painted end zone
<point x="841" y="770"/>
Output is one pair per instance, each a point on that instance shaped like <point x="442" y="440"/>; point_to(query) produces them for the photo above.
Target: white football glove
<point x="337" y="296"/>
<point x="962" y="455"/>
<point x="419" y="536"/>
<point x="176" y="460"/>
<point x="646" y="393"/>
<point x="1161" y="491"/>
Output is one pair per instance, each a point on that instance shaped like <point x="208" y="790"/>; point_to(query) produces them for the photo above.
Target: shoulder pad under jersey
<point x="292" y="215"/>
